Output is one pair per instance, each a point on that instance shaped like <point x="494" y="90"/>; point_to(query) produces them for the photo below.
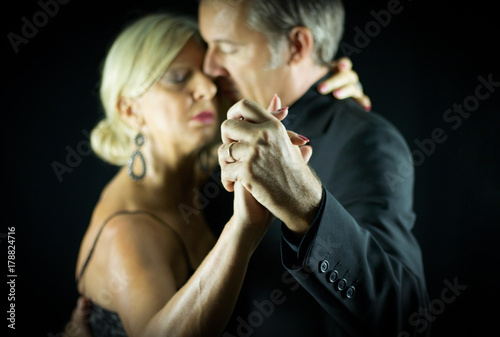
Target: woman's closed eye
<point x="176" y="76"/>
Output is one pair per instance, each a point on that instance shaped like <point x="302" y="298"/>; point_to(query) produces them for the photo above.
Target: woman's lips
<point x="205" y="117"/>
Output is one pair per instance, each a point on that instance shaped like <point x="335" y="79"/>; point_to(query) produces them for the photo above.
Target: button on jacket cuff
<point x="299" y="248"/>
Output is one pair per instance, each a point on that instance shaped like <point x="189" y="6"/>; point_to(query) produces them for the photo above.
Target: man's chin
<point x="228" y="89"/>
<point x="232" y="96"/>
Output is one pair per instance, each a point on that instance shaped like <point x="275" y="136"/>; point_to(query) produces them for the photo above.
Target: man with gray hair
<point x="344" y="222"/>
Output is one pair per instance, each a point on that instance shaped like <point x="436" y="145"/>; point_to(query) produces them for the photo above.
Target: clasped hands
<point x="260" y="157"/>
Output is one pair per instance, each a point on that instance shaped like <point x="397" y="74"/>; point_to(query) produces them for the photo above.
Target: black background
<point x="426" y="59"/>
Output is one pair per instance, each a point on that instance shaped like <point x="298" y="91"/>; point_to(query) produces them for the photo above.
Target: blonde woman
<point x="145" y="270"/>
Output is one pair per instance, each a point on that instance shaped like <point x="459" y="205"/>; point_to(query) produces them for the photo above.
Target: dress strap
<point x="157" y="218"/>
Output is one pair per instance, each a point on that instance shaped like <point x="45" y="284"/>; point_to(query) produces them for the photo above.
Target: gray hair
<point x="275" y="19"/>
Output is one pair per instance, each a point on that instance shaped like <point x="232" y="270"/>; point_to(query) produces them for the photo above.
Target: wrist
<point x="244" y="238"/>
<point x="302" y="218"/>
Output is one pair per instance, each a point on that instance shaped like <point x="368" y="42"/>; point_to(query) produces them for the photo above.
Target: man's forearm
<point x="359" y="271"/>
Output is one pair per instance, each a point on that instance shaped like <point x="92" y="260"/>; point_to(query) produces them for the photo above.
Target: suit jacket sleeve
<point x="359" y="259"/>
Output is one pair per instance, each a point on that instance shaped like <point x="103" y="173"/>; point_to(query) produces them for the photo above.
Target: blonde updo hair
<point x="137" y="59"/>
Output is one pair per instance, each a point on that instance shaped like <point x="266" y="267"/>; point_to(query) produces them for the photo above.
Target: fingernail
<point x="283" y="108"/>
<point x="304" y="138"/>
<point x="368" y="108"/>
<point x="342" y="65"/>
<point x="322" y="88"/>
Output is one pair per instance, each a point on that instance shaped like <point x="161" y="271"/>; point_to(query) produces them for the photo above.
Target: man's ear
<point x="127" y="108"/>
<point x="301" y="44"/>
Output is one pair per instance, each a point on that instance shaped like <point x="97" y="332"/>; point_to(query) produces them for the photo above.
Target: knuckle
<point x="249" y="187"/>
<point x="273" y="124"/>
<point x="241" y="105"/>
<point x="220" y="150"/>
<point x="277" y="126"/>
<point x="255" y="154"/>
<point x="348" y="62"/>
<point x="355" y="76"/>
<point x="245" y="102"/>
<point x="224" y="178"/>
<point x="264" y="136"/>
<point x="248" y="171"/>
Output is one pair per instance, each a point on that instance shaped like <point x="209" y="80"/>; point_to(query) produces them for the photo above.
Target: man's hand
<point x="345" y="83"/>
<point x="268" y="164"/>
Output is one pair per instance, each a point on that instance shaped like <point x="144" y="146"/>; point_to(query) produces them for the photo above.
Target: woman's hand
<point x="247" y="210"/>
<point x="345" y="83"/>
<point x="249" y="213"/>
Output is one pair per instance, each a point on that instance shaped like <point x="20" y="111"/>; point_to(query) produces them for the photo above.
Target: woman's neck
<point x="173" y="176"/>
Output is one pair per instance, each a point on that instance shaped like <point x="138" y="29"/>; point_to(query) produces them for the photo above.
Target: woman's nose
<point x="205" y="88"/>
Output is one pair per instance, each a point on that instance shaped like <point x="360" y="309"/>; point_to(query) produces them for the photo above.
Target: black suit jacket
<point x="358" y="271"/>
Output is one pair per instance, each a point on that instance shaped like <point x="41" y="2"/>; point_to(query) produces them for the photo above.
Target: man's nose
<point x="211" y="65"/>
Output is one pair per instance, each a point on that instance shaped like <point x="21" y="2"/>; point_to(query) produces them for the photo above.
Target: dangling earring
<point x="138" y="141"/>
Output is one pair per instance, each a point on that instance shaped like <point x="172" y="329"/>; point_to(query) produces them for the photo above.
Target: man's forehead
<point x="219" y="21"/>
